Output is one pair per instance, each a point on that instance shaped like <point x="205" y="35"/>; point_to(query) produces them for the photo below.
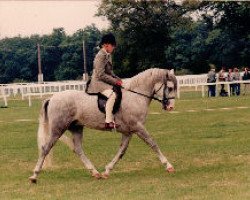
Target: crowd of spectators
<point x="232" y="75"/>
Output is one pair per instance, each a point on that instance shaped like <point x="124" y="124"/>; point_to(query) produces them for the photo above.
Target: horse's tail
<point x="43" y="132"/>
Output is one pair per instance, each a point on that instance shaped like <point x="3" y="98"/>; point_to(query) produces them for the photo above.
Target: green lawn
<point x="208" y="144"/>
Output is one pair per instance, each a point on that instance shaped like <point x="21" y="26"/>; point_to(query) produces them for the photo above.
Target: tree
<point x="186" y="36"/>
<point x="143" y="32"/>
<point x="61" y="55"/>
<point x="17" y="59"/>
<point x="231" y="20"/>
<point x="189" y="49"/>
<point x="72" y="56"/>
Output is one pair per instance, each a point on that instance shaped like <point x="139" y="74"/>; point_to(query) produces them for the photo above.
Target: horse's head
<point x="166" y="90"/>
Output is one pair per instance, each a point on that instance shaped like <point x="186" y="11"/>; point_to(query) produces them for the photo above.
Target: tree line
<point x="187" y="37"/>
<point x="61" y="55"/>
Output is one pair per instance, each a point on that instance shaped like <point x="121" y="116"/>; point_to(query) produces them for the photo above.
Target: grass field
<point x="207" y="141"/>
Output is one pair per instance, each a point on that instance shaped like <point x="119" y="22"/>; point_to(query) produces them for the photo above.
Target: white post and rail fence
<point x="30" y="90"/>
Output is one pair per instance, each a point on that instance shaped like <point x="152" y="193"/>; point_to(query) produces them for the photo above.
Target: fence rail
<point x="29" y="90"/>
<point x="38" y="89"/>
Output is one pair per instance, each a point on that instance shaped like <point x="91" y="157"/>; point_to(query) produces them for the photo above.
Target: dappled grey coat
<point x="103" y="77"/>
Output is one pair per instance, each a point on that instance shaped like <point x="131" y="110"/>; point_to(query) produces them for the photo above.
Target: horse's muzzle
<point x="168" y="105"/>
<point x="170" y="108"/>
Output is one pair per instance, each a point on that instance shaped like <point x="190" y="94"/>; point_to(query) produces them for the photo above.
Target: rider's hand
<point x="118" y="83"/>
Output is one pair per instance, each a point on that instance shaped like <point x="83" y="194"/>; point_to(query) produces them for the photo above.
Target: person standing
<point x="211" y="78"/>
<point x="237" y="78"/>
<point x="222" y="78"/>
<point x="230" y="78"/>
<point x="246" y="77"/>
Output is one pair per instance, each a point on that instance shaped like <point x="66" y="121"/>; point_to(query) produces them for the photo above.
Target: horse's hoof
<point x="105" y="175"/>
<point x="170" y="170"/>
<point x="33" y="180"/>
<point x="97" y="176"/>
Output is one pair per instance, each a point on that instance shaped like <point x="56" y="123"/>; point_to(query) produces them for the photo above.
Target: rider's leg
<point x="109" y="105"/>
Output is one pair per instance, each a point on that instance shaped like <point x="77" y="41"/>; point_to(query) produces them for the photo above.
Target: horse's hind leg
<point x="119" y="155"/>
<point x="44" y="152"/>
<point x="77" y="132"/>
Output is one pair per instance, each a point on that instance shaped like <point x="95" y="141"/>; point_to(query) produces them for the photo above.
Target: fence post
<point x="5" y="101"/>
<point x="216" y="90"/>
<point x="30" y="104"/>
<point x="178" y="90"/>
<point x="202" y="91"/>
<point x="228" y="89"/>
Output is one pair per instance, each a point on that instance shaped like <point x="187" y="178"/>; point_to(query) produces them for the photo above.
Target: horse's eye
<point x="170" y="89"/>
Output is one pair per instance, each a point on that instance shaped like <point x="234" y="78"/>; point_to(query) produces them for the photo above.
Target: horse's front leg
<point x="144" y="135"/>
<point x="119" y="155"/>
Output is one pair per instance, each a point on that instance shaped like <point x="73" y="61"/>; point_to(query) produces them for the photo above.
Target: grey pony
<point x="74" y="110"/>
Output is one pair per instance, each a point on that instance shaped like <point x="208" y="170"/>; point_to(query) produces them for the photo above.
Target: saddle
<point x="102" y="100"/>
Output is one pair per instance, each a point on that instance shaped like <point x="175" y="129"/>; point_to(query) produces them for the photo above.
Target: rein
<point x="152" y="97"/>
<point x="144" y="95"/>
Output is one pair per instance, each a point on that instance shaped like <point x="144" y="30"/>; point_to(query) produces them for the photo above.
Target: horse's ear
<point x="172" y="77"/>
<point x="171" y="72"/>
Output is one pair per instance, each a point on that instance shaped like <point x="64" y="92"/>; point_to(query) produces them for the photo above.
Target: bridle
<point x="164" y="99"/>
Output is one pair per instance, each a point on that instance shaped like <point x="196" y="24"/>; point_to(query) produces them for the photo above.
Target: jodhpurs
<point x="110" y="94"/>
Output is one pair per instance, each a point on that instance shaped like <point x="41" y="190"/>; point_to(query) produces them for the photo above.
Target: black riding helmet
<point x="108" y="39"/>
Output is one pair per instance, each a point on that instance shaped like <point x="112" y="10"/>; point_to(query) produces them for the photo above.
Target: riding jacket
<point x="103" y="77"/>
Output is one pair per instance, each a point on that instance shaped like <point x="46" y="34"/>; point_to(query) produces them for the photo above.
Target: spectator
<point x="237" y="78"/>
<point x="211" y="78"/>
<point x="222" y="78"/>
<point x="245" y="77"/>
<point x="230" y="78"/>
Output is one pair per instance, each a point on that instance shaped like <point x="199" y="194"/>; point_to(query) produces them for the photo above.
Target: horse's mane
<point x="146" y="77"/>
